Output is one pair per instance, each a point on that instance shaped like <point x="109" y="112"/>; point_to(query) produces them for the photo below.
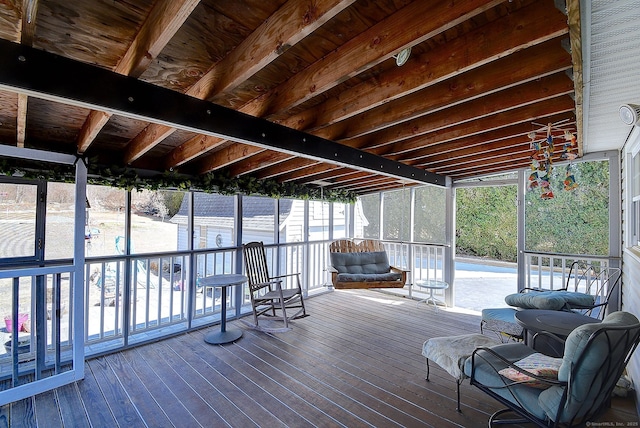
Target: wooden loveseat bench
<point x="363" y="265"/>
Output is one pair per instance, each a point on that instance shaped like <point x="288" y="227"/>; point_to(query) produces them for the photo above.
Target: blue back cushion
<point x="586" y="375"/>
<point x="551" y="300"/>
<point x="374" y="262"/>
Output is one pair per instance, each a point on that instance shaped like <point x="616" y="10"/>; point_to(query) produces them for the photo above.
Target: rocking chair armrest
<point x="285" y="275"/>
<point x="512" y="365"/>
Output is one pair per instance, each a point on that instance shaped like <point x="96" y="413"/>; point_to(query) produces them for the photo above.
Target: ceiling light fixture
<point x="402" y="56"/>
<point x="630" y="113"/>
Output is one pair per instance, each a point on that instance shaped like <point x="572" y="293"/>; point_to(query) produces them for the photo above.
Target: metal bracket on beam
<point x="49" y="76"/>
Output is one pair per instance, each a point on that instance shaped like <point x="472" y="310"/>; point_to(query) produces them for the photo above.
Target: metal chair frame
<point x="609" y="372"/>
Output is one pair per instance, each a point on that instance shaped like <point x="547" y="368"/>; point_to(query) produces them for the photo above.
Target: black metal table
<point x="223" y="282"/>
<point x="559" y="323"/>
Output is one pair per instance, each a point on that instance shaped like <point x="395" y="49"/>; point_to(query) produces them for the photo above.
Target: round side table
<point x="432" y="284"/>
<point x="223" y="282"/>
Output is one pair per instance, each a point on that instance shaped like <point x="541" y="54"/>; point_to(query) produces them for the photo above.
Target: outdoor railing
<point x="167" y="297"/>
<point x="550" y="270"/>
<point x="41" y="314"/>
<point x="135" y="298"/>
<point x="164" y="294"/>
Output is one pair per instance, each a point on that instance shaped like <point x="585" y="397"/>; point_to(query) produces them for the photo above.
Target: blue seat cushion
<point x="373" y="262"/>
<point x="499" y="314"/>
<point x="486" y="373"/>
<point x="369" y="277"/>
<point x="551" y="300"/>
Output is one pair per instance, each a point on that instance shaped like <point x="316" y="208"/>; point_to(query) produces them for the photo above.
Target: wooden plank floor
<point x="354" y="362"/>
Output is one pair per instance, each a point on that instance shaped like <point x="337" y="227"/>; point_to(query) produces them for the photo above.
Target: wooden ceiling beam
<point x="527" y="113"/>
<point x="487" y="155"/>
<point x="481" y="159"/>
<point x="473" y="51"/>
<point x="469" y="154"/>
<point x="489" y="105"/>
<point x="29" y="15"/>
<point x="531" y="92"/>
<point x="22" y="72"/>
<point x="418" y="157"/>
<point x="257" y="162"/>
<point x="523" y="66"/>
<point x="516" y="158"/>
<point x="287" y="26"/>
<point x="286" y="167"/>
<point x="292" y="22"/>
<point x="350" y="177"/>
<point x="405" y="28"/>
<point x="21" y="122"/>
<point x="510" y="71"/>
<point x="487" y="171"/>
<point x="164" y="20"/>
<point x="191" y="149"/>
<point x="315" y="173"/>
<point x="486" y="152"/>
<point x="27" y="35"/>
<point x="226" y="156"/>
<point x="369" y="186"/>
<point x="497" y="39"/>
<point x="402" y="29"/>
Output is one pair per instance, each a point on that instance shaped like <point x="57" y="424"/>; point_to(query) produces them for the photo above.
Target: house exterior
<point x="215" y="222"/>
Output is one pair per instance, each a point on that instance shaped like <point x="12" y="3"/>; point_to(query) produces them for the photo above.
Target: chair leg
<point x="427" y="378"/>
<point x="458" y="382"/>
<point x="284" y="313"/>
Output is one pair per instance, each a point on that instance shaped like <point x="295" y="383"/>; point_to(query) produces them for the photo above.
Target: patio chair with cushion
<point x="269" y="296"/>
<point x="588" y="290"/>
<point x="565" y="391"/>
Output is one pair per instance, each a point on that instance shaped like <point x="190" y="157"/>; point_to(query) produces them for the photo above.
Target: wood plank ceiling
<point x="482" y="75"/>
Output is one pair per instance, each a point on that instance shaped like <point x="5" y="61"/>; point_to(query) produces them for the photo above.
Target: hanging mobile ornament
<point x="569" y="179"/>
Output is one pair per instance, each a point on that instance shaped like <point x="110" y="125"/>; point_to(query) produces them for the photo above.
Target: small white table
<point x="223" y="282"/>
<point x="432" y="284"/>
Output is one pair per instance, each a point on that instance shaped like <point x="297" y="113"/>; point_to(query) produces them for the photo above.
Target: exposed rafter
<point x="71" y="82"/>
<point x="166" y="17"/>
<point x="288" y="25"/>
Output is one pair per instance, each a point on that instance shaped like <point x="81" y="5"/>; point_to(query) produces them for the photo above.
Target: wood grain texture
<point x="355" y="361"/>
<point x="322" y="66"/>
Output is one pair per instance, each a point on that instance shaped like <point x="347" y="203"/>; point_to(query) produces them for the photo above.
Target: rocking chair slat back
<point x="256" y="264"/>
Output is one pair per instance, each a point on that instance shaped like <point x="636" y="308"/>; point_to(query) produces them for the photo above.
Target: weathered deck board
<point x="356" y="361"/>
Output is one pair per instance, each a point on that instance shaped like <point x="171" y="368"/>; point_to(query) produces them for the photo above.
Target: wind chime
<point x="542" y="161"/>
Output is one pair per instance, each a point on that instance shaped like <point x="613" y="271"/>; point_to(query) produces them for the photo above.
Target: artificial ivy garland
<point x="212" y="182"/>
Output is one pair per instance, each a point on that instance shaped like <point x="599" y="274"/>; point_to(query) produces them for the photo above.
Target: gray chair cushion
<point x="487" y="366"/>
<point x="374" y="262"/>
<point x="369" y="277"/>
<point x="552" y="300"/>
<point x="587" y="371"/>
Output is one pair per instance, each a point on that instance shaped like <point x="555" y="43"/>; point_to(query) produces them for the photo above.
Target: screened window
<point x="258" y="219"/>
<point x="430" y="216"/>
<point x="396" y="215"/>
<point x="368" y="219"/>
<point x="573" y="221"/>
